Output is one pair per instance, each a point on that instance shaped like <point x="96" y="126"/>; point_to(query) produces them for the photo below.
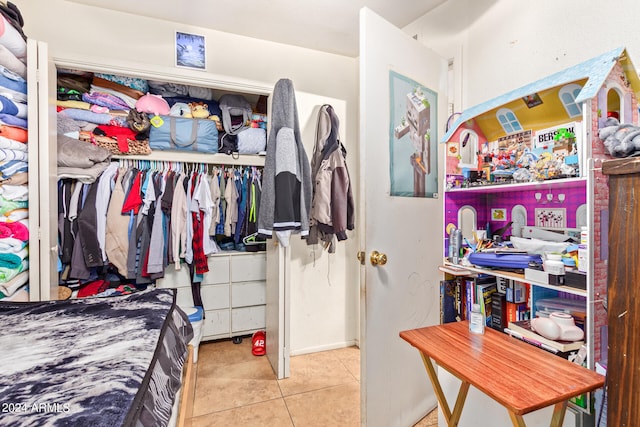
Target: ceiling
<point x="324" y="25"/>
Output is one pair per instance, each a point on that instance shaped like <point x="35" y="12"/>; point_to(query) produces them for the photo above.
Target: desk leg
<point x="452" y="418"/>
<point x="556" y="420"/>
<point x="558" y="414"/>
<point x="517" y="420"/>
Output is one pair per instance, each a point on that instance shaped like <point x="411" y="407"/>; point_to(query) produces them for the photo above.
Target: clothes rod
<point x="194" y="157"/>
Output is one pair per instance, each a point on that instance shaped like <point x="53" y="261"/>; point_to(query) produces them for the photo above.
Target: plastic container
<point x="476" y="320"/>
<point x="195" y="315"/>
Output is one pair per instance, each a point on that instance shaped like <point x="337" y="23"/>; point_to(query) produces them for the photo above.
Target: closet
<point x="236" y="289"/>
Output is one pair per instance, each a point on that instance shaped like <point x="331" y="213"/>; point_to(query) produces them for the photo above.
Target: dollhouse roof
<point x="595" y="70"/>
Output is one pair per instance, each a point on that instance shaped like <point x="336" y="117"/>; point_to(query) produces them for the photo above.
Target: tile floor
<point x="235" y="388"/>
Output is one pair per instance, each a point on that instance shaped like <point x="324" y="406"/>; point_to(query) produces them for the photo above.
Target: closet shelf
<point x="577" y="182"/>
<point x="194" y="157"/>
<point x="518" y="277"/>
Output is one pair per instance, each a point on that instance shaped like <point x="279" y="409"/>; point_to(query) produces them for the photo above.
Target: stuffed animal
<point x="180" y="109"/>
<point x="199" y="110"/>
<point x="218" y="122"/>
<point x="152" y="104"/>
<point x="620" y="140"/>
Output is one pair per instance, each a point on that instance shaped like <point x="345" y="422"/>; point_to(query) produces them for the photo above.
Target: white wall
<point x="512" y="43"/>
<point x="325" y="295"/>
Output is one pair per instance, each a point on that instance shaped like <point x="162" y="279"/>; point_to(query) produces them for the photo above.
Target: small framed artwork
<point x="453" y="149"/>
<point x="551" y="217"/>
<point x="532" y="100"/>
<point x="191" y="51"/>
<point x="498" y="214"/>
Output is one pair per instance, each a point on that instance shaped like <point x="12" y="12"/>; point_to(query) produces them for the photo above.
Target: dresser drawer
<point x="218" y="270"/>
<point x="248" y="293"/>
<point x="175" y="278"/>
<point x="248" y="267"/>
<point x="216" y="324"/>
<point x="215" y="297"/>
<point x="248" y="318"/>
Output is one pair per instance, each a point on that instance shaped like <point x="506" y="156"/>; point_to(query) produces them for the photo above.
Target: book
<point x="448" y="301"/>
<point x="517" y="292"/>
<point x="470" y="297"/>
<point x="523" y="327"/>
<point x="498" y="311"/>
<point x="483" y="298"/>
<point x="564" y="354"/>
<point x="516" y="312"/>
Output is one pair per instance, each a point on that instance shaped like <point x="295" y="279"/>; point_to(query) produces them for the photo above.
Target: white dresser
<point x="233" y="293"/>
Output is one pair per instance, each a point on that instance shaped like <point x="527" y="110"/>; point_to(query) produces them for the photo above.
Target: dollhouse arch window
<point x="508" y="120"/>
<point x="468" y="149"/>
<point x="568" y="95"/>
<point x="467" y="221"/>
<point x="615" y="102"/>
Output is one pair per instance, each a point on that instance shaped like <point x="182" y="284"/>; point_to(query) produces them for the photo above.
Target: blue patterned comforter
<point x="112" y="361"/>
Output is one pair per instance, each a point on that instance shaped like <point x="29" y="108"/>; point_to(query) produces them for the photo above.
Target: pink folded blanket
<point x="17" y="230"/>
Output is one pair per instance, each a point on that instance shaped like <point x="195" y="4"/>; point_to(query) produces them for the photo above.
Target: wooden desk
<point x="519" y="376"/>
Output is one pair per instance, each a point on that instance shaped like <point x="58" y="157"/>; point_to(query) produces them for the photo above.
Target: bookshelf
<point x="523" y="183"/>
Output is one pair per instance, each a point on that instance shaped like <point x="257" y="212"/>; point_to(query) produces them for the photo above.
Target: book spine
<point x="448" y="311"/>
<point x="498" y="311"/>
<point x="442" y="291"/>
<point x="469" y="297"/>
<point x="459" y="301"/>
<point x="486" y="303"/>
<point x="531" y="341"/>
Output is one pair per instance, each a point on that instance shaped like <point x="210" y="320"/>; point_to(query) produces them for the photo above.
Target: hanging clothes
<point x="117" y="228"/>
<point x="332" y="206"/>
<point x="214" y="186"/>
<point x="231" y="197"/>
<point x="286" y="188"/>
<point x="153" y="217"/>
<point x="87" y="229"/>
<point x="155" y="263"/>
<point x="105" y="188"/>
<point x="179" y="220"/>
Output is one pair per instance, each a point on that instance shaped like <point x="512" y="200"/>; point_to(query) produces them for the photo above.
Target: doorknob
<point x="378" y="258"/>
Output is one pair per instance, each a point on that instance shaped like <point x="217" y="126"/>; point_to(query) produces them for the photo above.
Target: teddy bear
<point x="620" y="140"/>
<point x="199" y="110"/>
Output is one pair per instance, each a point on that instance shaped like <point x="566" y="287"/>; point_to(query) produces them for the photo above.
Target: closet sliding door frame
<point x="33" y="113"/>
<point x="43" y="207"/>
<point x="278" y="330"/>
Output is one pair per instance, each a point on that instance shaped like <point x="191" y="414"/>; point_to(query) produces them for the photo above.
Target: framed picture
<point x="191" y="51"/>
<point x="532" y="100"/>
<point x="551" y="217"/>
<point x="413" y="139"/>
<point x="498" y="214"/>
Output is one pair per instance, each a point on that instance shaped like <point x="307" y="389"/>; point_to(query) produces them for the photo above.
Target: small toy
<point x="563" y="135"/>
<point x="152" y="104"/>
<point x="199" y="110"/>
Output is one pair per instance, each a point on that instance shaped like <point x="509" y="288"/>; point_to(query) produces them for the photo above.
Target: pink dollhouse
<point x="527" y="163"/>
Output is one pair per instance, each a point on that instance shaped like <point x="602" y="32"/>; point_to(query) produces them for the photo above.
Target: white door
<point x="403" y="293"/>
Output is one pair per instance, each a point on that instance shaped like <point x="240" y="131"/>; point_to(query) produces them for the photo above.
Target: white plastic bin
<point x="195" y="315"/>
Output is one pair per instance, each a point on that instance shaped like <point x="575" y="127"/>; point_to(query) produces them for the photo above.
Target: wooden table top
<point x="515" y="374"/>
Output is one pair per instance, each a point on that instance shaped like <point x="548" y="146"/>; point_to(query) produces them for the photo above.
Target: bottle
<point x="476" y="320"/>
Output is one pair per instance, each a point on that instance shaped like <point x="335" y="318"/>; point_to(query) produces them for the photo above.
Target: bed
<point x="114" y="361"/>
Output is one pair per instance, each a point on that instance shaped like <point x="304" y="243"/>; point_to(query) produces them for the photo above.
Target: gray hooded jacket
<point x="286" y="181"/>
